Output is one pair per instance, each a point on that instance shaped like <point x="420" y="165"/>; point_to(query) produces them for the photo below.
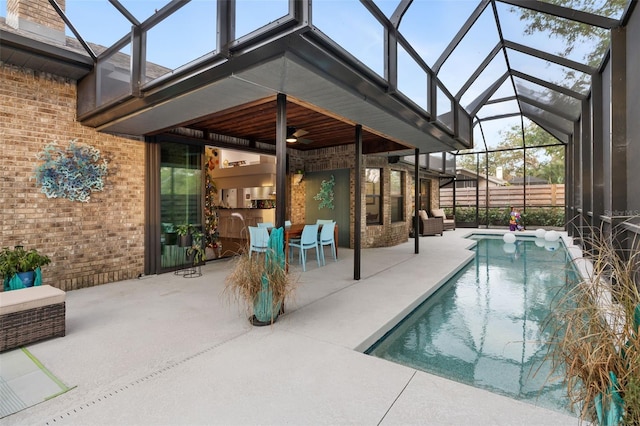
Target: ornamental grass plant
<point x="596" y="336"/>
<point x="252" y="274"/>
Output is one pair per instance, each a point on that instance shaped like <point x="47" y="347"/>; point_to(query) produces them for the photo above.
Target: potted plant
<point x="260" y="282"/>
<point x="596" y="329"/>
<point x="184" y="235"/>
<point x="196" y="252"/>
<point x="21" y="268"/>
<point x="298" y="176"/>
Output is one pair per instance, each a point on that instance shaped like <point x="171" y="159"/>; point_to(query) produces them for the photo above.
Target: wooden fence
<point x="551" y="195"/>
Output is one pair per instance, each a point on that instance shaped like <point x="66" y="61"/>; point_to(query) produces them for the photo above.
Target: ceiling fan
<point x="295" y="135"/>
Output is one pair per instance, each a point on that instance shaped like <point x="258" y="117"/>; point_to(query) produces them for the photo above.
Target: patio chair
<point x="429" y="225"/>
<point x="327" y="238"/>
<point x="308" y="240"/>
<point x="258" y="239"/>
<point x="449" y="222"/>
<point x="265" y="225"/>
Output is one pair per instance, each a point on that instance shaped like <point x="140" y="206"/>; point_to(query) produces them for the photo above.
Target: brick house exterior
<point x="103" y="240"/>
<point x="89" y="243"/>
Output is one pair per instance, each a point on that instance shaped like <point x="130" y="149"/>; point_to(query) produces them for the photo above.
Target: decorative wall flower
<point x="325" y="196"/>
<point x="72" y="172"/>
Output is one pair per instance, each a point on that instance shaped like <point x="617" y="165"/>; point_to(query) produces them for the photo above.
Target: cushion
<point x="423" y="214"/>
<point x="30" y="298"/>
<point x="438" y="213"/>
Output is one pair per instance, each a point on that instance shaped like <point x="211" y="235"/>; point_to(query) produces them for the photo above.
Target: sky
<point x="428" y="26"/>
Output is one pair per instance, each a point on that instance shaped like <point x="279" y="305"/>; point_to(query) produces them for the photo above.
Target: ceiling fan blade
<point x="299" y="133"/>
<point x="305" y="141"/>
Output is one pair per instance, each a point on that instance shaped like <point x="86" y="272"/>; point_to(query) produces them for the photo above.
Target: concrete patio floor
<point x="171" y="350"/>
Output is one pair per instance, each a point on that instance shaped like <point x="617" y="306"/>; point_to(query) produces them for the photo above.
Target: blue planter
<point x="27" y="278"/>
<point x="264" y="313"/>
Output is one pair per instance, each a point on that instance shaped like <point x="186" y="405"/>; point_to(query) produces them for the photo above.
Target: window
<point x="425" y="194"/>
<point x="396" y="194"/>
<point x="373" y="196"/>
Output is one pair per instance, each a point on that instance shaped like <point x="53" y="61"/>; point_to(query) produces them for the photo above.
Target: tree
<point x="544" y="157"/>
<point x="573" y="32"/>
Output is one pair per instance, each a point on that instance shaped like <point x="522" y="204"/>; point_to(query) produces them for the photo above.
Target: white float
<point x="509" y="248"/>
<point x="509" y="238"/>
<point x="539" y="242"/>
<point x="540" y="233"/>
<point x="551" y="245"/>
<point x="551" y="236"/>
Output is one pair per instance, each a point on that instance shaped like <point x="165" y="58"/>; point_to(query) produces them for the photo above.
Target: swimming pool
<point x="485" y="326"/>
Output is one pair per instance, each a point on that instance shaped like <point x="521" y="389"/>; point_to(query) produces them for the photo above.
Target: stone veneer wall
<point x="342" y="157"/>
<point x="89" y="243"/>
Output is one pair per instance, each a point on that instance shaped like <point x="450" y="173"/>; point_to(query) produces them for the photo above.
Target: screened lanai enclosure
<point x="544" y="140"/>
<point x="520" y="103"/>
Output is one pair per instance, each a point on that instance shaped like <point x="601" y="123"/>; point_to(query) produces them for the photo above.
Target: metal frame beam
<point x="416" y="205"/>
<point x="619" y="141"/>
<point x="460" y="35"/>
<point x="546" y="107"/>
<point x="478" y="71"/>
<point x="585" y="166"/>
<point x="548" y="85"/>
<point x="542" y="122"/>
<point x="357" y="225"/>
<point x="597" y="138"/>
<point x="565" y="13"/>
<point x="578" y="66"/>
<point x="481" y="100"/>
<point x="281" y="159"/>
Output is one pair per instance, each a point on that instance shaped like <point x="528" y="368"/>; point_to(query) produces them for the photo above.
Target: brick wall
<point x="89" y="243"/>
<point x="38" y="18"/>
<point x="37" y="11"/>
<point x="342" y="157"/>
<point x="389" y="233"/>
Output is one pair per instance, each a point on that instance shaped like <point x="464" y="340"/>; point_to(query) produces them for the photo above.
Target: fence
<point x="549" y="195"/>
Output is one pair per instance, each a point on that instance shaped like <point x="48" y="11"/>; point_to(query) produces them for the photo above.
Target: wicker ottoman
<point x="31" y="314"/>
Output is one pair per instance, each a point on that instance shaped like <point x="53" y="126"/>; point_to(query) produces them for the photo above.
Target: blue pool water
<point x="486" y="326"/>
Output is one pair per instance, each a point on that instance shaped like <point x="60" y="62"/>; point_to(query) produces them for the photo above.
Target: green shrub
<point x="499" y="216"/>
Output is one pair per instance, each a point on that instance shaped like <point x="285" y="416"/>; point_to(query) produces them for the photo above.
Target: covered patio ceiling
<point x="256" y="121"/>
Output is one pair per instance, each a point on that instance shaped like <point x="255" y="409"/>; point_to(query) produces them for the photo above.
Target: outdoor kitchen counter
<point x="230" y="226"/>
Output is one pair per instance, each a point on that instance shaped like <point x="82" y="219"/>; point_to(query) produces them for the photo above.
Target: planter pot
<point x="264" y="313"/>
<point x="211" y="253"/>
<point x="214" y="253"/>
<point x="171" y="239"/>
<point x="185" y="240"/>
<point x="27" y="278"/>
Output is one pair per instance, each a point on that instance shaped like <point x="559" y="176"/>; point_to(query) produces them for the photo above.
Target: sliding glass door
<point x="180" y="197"/>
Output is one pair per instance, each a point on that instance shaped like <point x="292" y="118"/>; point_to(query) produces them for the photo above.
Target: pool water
<point x="486" y="326"/>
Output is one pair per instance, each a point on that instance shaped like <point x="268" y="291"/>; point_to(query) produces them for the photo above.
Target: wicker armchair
<point x="430" y="225"/>
<point x="448" y="221"/>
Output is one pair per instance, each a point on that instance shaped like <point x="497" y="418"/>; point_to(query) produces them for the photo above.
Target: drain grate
<point x="139" y="381"/>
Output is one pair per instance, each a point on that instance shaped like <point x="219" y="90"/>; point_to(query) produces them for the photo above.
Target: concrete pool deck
<point x="171" y="350"/>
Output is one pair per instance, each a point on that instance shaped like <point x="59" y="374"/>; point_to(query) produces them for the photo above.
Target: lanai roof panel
<point x="515" y="26"/>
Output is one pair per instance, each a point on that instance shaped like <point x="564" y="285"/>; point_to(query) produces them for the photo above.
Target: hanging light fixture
<point x="290" y="135"/>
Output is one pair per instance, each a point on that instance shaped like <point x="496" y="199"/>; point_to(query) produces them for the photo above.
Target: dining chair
<point x="326" y="238"/>
<point x="265" y="225"/>
<point x="323" y="221"/>
<point x="308" y="240"/>
<point x="258" y="239"/>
